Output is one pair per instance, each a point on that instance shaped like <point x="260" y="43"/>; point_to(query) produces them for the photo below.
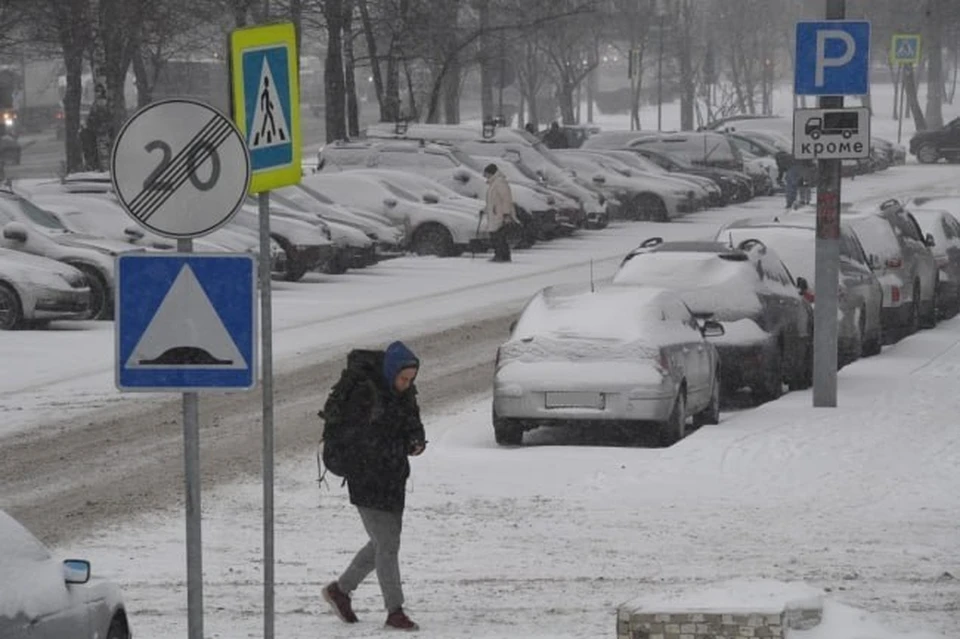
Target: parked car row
<point x="685" y="324"/>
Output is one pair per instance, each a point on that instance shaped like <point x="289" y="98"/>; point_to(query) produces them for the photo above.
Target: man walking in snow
<point x="380" y="414"/>
<point x="499" y="212"/>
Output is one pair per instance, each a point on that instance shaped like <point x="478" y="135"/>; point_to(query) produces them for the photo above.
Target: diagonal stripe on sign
<point x="146" y="207"/>
<point x="198" y="153"/>
<point x="178" y="168"/>
<point x="160" y="178"/>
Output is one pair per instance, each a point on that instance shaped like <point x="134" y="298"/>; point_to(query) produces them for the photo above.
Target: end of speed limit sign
<point x="180" y="168"/>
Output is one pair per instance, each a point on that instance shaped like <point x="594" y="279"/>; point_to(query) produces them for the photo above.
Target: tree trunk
<point x="486" y="61"/>
<point x="350" y="80"/>
<point x="934" y="20"/>
<point x="296" y="17"/>
<point x="896" y="73"/>
<point x="374" y="58"/>
<point x="73" y="64"/>
<point x="413" y="115"/>
<point x="333" y="79"/>
<point x="390" y="107"/>
<point x="910" y="86"/>
<point x="451" y="92"/>
<point x="533" y="116"/>
<point x="565" y="92"/>
<point x="144" y="83"/>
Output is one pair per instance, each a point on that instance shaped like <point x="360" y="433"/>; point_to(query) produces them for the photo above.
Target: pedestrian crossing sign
<point x="265" y="100"/>
<point x="905" y="48"/>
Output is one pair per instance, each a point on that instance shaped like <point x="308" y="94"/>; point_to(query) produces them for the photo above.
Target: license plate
<point x="574" y="400"/>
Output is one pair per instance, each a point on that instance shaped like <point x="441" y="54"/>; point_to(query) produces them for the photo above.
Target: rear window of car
<point x="877" y="237"/>
<point x="699" y="149"/>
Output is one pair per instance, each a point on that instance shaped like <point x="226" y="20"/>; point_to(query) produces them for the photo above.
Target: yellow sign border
<point x="893" y="48"/>
<point x="258" y="37"/>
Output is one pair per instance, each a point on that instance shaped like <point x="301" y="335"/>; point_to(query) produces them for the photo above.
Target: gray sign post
<point x="181" y="169"/>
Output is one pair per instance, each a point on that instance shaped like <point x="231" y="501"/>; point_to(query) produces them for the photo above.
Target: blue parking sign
<point x="832" y="58"/>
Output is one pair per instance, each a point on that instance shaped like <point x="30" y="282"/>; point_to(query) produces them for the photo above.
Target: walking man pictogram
<point x="267" y="107"/>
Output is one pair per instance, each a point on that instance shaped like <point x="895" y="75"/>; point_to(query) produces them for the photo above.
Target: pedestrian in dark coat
<point x="384" y="421"/>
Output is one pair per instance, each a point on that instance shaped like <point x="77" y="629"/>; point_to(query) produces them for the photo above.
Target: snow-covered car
<point x="50" y="598"/>
<point x="100" y="215"/>
<point x="35" y="290"/>
<point x="769" y="326"/>
<point x="31" y="229"/>
<point x="944" y="228"/>
<point x="735" y="186"/>
<point x="389" y="236"/>
<point x="641" y="197"/>
<point x="433" y="230"/>
<point x="349" y="247"/>
<point x="305" y="246"/>
<point x="860" y="293"/>
<point x="903" y="262"/>
<point x="634" y="355"/>
<point x="762" y="170"/>
<point x="708" y="192"/>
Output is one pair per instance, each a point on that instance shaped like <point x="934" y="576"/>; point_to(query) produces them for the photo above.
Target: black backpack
<point x="336" y="449"/>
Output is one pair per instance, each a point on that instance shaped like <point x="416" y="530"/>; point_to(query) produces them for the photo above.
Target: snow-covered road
<point x="545" y="540"/>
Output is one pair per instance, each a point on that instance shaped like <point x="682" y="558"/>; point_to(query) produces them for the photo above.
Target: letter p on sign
<point x="850" y="47"/>
<point x="833" y="58"/>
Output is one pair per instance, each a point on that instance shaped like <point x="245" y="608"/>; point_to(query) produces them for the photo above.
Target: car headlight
<point x="74" y="280"/>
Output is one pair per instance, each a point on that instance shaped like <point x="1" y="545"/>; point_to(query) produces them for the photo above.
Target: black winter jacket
<point x="384" y="428"/>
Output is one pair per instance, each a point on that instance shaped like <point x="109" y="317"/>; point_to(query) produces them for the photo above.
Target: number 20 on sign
<point x="180" y="168"/>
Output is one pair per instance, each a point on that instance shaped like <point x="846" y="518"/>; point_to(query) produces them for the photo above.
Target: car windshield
<point x="877" y="237"/>
<point x="79" y="222"/>
<point x="467" y="159"/>
<point x="793" y="245"/>
<point x="40" y="217"/>
<point x="638" y="162"/>
<point x="316" y="194"/>
<point x="702" y="148"/>
<point x="401" y="193"/>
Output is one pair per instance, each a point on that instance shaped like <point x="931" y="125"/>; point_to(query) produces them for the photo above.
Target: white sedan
<point x="635" y="356"/>
<point x="44" y="597"/>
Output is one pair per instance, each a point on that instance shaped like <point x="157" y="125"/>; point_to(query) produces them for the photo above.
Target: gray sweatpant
<point x="382" y="553"/>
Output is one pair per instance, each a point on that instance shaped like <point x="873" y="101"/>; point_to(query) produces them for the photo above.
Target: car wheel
<point x="433" y="239"/>
<point x="118" y="628"/>
<point x="928" y="154"/>
<point x="675" y="428"/>
<point x="99" y="295"/>
<point x="11" y="311"/>
<point x="710" y="416"/>
<point x="913" y="325"/>
<point x="772" y="386"/>
<point x="651" y="207"/>
<point x="929" y="319"/>
<point x="507" y="432"/>
<point x="874" y="345"/>
<point x="803" y="378"/>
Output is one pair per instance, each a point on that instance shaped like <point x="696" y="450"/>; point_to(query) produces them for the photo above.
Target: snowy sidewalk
<point x="547" y="539"/>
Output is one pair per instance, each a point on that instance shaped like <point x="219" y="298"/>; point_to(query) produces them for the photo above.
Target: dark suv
<point x="931" y="146"/>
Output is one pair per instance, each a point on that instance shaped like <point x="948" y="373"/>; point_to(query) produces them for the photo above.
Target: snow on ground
<point x="68" y="370"/>
<point x="546" y="540"/>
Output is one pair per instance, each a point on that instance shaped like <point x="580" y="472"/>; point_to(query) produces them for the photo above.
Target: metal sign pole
<point x="266" y="337"/>
<point x="191" y="461"/>
<point x="902" y="95"/>
<point x="827" y="260"/>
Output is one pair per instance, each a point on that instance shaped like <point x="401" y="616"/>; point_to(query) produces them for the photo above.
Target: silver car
<point x="621" y="354"/>
<point x="35" y="290"/>
<point x="52" y="599"/>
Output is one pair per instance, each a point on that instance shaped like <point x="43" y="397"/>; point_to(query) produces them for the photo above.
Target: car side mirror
<point x="389" y="202"/>
<point x="132" y="232"/>
<point x="15" y="232"/>
<point x="76" y="571"/>
<point x="803" y="285"/>
<point x="599" y="179"/>
<point x="712" y="328"/>
<point x="929" y="241"/>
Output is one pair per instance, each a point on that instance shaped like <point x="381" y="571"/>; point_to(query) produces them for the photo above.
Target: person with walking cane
<point x="499" y="212"/>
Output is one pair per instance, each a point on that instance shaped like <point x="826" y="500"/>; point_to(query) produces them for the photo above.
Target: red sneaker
<point x="340" y="602"/>
<point x="398" y="620"/>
